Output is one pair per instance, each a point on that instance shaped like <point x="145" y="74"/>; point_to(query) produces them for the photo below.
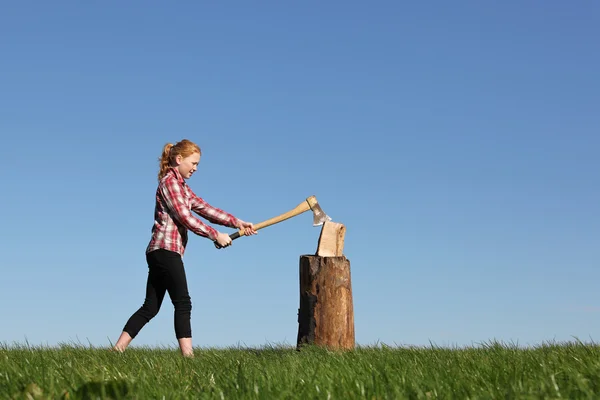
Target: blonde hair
<point x="183" y="148"/>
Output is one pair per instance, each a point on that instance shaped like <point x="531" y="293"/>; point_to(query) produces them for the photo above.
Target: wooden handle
<point x="299" y="209"/>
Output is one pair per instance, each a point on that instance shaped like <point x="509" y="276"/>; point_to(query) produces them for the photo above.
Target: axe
<point x="311" y="203"/>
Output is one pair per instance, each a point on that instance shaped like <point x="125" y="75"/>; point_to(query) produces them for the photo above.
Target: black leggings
<point x="165" y="274"/>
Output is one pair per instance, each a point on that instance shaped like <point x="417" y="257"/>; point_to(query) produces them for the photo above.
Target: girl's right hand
<point x="223" y="239"/>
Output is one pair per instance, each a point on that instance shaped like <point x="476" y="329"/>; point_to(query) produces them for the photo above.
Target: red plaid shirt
<point x="172" y="215"/>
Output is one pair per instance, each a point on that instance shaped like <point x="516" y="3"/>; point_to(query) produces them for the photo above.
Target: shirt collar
<point x="178" y="175"/>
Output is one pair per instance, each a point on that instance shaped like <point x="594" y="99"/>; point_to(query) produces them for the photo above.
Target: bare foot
<point x="185" y="344"/>
<point x="123" y="342"/>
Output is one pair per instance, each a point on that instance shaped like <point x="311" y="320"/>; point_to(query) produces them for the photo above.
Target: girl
<point x="172" y="219"/>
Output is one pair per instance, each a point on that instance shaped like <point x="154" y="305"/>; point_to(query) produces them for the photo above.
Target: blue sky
<point x="456" y="141"/>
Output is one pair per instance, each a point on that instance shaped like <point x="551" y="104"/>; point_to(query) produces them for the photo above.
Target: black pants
<point x="165" y="274"/>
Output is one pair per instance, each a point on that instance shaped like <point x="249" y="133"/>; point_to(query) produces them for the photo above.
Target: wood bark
<point x="326" y="313"/>
<point x="331" y="240"/>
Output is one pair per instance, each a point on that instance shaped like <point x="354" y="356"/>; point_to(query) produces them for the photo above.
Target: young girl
<point x="172" y="219"/>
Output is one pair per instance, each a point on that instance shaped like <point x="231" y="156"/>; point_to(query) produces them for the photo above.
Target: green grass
<point x="490" y="371"/>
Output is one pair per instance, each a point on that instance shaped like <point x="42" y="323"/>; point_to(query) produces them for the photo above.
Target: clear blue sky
<point x="457" y="141"/>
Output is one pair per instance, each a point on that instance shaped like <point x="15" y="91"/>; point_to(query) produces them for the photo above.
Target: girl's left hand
<point x="248" y="227"/>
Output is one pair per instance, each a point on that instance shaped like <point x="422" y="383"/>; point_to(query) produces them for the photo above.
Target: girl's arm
<point x="172" y="193"/>
<point x="213" y="214"/>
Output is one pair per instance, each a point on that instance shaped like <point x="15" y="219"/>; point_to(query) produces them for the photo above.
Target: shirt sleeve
<point x="171" y="191"/>
<point x="213" y="214"/>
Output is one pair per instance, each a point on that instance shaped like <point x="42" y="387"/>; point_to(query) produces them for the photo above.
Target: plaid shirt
<point x="172" y="215"/>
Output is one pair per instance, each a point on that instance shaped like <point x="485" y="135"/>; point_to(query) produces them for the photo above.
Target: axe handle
<point x="299" y="209"/>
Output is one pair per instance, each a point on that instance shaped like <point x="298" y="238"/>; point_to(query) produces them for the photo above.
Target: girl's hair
<point x="184" y="148"/>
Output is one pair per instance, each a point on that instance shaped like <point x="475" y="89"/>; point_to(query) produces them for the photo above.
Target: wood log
<point x="331" y="240"/>
<point x="326" y="313"/>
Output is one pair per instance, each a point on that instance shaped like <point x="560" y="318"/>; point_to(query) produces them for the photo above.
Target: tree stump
<point x="326" y="313"/>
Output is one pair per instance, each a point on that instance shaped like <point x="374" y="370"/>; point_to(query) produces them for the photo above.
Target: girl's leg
<point x="176" y="284"/>
<point x="155" y="292"/>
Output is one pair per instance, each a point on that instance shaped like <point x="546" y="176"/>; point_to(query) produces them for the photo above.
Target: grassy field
<point x="488" y="371"/>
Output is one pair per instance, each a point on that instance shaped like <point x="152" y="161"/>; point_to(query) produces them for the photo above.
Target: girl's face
<point x="187" y="166"/>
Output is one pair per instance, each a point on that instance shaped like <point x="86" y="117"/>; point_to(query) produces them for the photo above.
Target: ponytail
<point x="164" y="160"/>
<point x="183" y="148"/>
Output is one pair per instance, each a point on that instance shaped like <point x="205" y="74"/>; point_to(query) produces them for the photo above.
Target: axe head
<point x="319" y="217"/>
